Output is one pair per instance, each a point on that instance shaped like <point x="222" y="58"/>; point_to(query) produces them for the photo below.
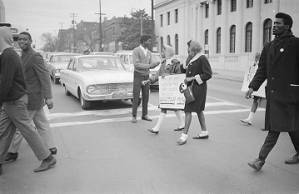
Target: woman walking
<point x="198" y="71"/>
<point x="170" y="65"/>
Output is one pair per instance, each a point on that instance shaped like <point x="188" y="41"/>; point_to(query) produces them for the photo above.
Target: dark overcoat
<point x="279" y="64"/>
<point x="37" y="79"/>
<point x="199" y="65"/>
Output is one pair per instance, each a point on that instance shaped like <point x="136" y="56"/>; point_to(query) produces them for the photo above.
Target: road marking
<point x="127" y="119"/>
<point x="112" y="112"/>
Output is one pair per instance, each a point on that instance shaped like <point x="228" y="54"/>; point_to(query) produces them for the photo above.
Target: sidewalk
<point x="228" y="75"/>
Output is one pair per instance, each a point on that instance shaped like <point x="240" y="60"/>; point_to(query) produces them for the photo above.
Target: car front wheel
<point x="84" y="103"/>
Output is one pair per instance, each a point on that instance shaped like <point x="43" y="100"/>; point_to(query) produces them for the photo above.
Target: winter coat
<point x="279" y="64"/>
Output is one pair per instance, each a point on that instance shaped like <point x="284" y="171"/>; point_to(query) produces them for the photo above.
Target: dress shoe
<point x="11" y="157"/>
<point x="53" y="151"/>
<point x="293" y="160"/>
<point x="46" y="164"/>
<point x="257" y="164"/>
<point x="179" y="129"/>
<point x="134" y="120"/>
<point x="152" y="131"/>
<point x="202" y="135"/>
<point x="183" y="139"/>
<point x="146" y="118"/>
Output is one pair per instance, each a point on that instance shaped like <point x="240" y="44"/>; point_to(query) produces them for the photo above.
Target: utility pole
<point x="73" y="16"/>
<point x="100" y="26"/>
<point x="141" y="25"/>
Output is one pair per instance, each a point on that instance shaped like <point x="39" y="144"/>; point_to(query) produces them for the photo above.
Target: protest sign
<point x="169" y="94"/>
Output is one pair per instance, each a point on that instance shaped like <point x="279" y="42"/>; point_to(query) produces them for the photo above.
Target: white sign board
<point x="169" y="94"/>
<point x="247" y="79"/>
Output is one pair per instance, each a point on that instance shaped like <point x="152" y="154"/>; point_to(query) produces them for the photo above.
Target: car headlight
<point x="96" y="89"/>
<point x="91" y="89"/>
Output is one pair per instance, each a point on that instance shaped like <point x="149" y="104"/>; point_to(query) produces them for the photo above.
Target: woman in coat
<point x="198" y="71"/>
<point x="170" y="65"/>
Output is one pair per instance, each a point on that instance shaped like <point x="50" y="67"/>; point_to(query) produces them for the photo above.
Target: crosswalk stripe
<point x="113" y="112"/>
<point x="123" y="119"/>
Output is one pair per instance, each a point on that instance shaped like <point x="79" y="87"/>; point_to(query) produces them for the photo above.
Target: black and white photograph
<point x="149" y="97"/>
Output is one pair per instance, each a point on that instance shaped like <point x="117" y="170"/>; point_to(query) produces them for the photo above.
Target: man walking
<point x="279" y="64"/>
<point x="13" y="101"/>
<point x="38" y="85"/>
<point x="142" y="60"/>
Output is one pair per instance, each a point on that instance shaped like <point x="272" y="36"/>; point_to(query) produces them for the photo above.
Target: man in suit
<point x="279" y="64"/>
<point x="142" y="60"/>
<point x="13" y="101"/>
<point x="38" y="84"/>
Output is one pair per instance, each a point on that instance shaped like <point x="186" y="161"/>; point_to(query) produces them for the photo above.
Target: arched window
<point x="218" y="40"/>
<point x="232" y="39"/>
<point x="176" y="40"/>
<point x="206" y="37"/>
<point x="168" y="40"/>
<point x="267" y="31"/>
<point x="248" y="37"/>
<point x="161" y="43"/>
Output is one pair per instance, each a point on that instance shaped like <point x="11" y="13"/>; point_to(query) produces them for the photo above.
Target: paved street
<point x="101" y="151"/>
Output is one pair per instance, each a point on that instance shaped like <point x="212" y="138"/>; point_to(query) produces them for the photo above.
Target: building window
<point x="207" y="10"/>
<point x="218" y="40"/>
<point x="219" y="7"/>
<point x="176" y="15"/>
<point x="268" y="1"/>
<point x="233" y="5"/>
<point x="162" y="44"/>
<point x="267" y="31"/>
<point x="176" y="40"/>
<point x="248" y="37"/>
<point x="168" y="40"/>
<point x="168" y="18"/>
<point x="232" y="39"/>
<point x="249" y="3"/>
<point x="161" y="20"/>
<point x="206" y="37"/>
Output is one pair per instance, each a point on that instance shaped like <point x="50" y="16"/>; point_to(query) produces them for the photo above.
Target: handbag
<point x="187" y="91"/>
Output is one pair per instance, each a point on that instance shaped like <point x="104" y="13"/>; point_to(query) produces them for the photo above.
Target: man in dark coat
<point x="279" y="64"/>
<point x="38" y="85"/>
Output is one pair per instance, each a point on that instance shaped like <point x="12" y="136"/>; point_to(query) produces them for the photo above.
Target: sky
<point x="40" y="16"/>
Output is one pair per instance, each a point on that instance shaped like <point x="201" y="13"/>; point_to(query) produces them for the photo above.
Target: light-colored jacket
<point x="142" y="63"/>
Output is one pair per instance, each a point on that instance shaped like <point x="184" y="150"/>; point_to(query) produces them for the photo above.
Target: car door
<point x="72" y="77"/>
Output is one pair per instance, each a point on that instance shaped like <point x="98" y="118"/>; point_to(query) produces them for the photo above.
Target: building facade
<point x="2" y="11"/>
<point x="230" y="31"/>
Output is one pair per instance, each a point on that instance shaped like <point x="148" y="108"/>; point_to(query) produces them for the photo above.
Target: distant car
<point x="127" y="60"/>
<point x="57" y="62"/>
<point x="97" y="78"/>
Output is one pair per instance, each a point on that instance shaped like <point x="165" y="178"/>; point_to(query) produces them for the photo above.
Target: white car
<point x="97" y="78"/>
<point x="127" y="60"/>
<point x="57" y="62"/>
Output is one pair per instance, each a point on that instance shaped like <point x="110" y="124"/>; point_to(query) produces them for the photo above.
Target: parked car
<point x="57" y="62"/>
<point x="97" y="78"/>
<point x="127" y="60"/>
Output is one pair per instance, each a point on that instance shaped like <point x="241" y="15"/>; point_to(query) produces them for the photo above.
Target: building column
<point x="240" y="29"/>
<point x="257" y="26"/>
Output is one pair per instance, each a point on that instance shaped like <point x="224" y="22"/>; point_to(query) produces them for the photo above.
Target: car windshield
<point x="61" y="58"/>
<point x="99" y="63"/>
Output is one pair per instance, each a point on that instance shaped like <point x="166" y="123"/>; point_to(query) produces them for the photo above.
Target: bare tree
<point x="50" y="42"/>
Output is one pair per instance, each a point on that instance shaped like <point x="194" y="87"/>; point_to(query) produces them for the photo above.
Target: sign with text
<point x="169" y="94"/>
<point x="247" y="79"/>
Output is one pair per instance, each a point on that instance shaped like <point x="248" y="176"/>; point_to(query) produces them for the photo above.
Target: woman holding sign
<point x="170" y="65"/>
<point x="198" y="71"/>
